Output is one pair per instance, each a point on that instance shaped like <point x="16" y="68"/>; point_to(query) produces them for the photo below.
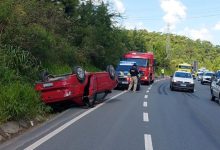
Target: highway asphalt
<point x="153" y="118"/>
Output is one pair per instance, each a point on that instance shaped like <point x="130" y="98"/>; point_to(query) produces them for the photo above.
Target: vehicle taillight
<point x="128" y="79"/>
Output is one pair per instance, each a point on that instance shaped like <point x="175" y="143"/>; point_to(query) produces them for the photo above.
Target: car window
<point x="208" y="74"/>
<point x="218" y="74"/>
<point x="183" y="75"/>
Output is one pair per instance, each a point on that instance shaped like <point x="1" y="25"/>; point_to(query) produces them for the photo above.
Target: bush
<point x="20" y="101"/>
<point x="22" y="62"/>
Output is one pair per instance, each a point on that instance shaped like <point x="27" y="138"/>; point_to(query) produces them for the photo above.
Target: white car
<point x="182" y="80"/>
<point x="199" y="75"/>
<point x="207" y="77"/>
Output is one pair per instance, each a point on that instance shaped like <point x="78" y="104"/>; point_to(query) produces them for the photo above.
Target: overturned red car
<point x="79" y="86"/>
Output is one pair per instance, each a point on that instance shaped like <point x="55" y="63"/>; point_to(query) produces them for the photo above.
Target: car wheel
<point x="171" y="88"/>
<point x="192" y="90"/>
<point x="80" y="73"/>
<point x="138" y="87"/>
<point x="213" y="97"/>
<point x="111" y="70"/>
<point x="202" y="82"/>
<point x="45" y="76"/>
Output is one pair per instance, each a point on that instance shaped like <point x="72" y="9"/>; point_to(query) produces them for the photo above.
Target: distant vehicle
<point x="79" y="86"/>
<point x="207" y="77"/>
<point x="182" y="80"/>
<point x="186" y="67"/>
<point x="199" y="75"/>
<point x="145" y="62"/>
<point x="124" y="77"/>
<point x="215" y="89"/>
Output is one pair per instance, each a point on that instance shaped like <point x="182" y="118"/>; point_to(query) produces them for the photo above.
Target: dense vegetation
<point x="56" y="35"/>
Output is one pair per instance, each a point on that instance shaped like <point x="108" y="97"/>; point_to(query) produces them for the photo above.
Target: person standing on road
<point x="134" y="77"/>
<point x="162" y="72"/>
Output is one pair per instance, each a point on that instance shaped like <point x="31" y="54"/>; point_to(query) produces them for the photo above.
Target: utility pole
<point x="168" y="42"/>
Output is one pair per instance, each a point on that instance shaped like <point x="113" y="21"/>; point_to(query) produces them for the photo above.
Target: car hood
<point x="183" y="79"/>
<point x="122" y="73"/>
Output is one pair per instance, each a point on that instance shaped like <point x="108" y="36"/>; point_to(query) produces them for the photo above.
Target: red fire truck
<point x="145" y="62"/>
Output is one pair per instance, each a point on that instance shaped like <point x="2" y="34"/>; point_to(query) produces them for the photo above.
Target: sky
<point x="196" y="19"/>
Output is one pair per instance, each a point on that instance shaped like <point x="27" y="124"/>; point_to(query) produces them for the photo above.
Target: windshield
<point x="123" y="68"/>
<point x="183" y="75"/>
<point x="208" y="74"/>
<point x="185" y="67"/>
<point x="218" y="74"/>
<point x="139" y="61"/>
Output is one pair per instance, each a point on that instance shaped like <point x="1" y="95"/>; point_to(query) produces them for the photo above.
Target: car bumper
<point x="206" y="80"/>
<point x="183" y="86"/>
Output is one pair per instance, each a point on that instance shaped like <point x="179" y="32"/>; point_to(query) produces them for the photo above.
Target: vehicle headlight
<point x="174" y="80"/>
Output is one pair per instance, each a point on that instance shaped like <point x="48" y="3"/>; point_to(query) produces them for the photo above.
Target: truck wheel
<point x="138" y="87"/>
<point x="80" y="73"/>
<point x="111" y="70"/>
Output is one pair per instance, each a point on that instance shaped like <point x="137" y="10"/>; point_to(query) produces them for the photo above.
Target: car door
<point x="214" y="87"/>
<point x="217" y="90"/>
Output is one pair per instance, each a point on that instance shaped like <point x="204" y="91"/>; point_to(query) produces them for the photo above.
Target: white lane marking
<point x="145" y="117"/>
<point x="145" y="104"/>
<point x="145" y="96"/>
<point x="61" y="128"/>
<point x="148" y="142"/>
<point x="147" y="91"/>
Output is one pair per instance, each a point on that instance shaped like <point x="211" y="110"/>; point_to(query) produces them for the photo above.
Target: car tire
<point x="138" y="87"/>
<point x="111" y="70"/>
<point x="202" y="82"/>
<point x="80" y="73"/>
<point x="171" y="88"/>
<point x="213" y="97"/>
<point x="45" y="76"/>
<point x="192" y="90"/>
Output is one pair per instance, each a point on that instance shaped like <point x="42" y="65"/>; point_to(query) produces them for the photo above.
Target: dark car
<point x="124" y="78"/>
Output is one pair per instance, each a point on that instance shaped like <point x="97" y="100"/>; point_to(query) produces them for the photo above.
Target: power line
<point x="157" y="19"/>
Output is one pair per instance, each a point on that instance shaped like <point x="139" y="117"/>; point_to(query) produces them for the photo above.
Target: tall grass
<point x="19" y="101"/>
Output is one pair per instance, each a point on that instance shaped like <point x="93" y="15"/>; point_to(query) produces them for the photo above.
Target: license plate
<point x="47" y="85"/>
<point x="124" y="82"/>
<point x="182" y="84"/>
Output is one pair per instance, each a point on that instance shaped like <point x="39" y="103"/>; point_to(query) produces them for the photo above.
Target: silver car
<point x="215" y="89"/>
<point x="182" y="80"/>
<point x="207" y="77"/>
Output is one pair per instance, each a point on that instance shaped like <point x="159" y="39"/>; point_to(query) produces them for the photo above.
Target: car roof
<point x="183" y="72"/>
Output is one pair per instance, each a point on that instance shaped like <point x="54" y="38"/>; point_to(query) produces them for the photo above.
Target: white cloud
<point x="202" y="34"/>
<point x="174" y="10"/>
<point x="119" y="6"/>
<point x="217" y="26"/>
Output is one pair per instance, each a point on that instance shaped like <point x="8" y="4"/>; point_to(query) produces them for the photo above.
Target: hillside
<point x="55" y="36"/>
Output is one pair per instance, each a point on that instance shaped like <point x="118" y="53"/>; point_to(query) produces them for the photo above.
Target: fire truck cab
<point x="146" y="64"/>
